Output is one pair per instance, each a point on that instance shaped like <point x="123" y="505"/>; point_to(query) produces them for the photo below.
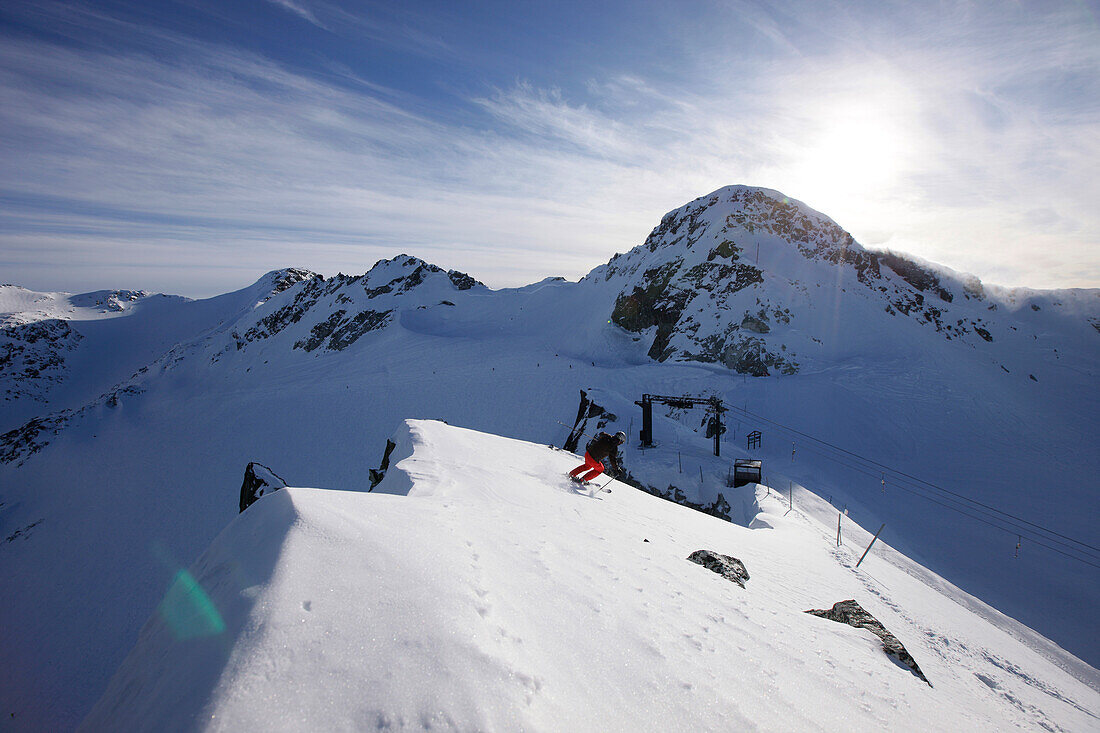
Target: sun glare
<point x="856" y="153"/>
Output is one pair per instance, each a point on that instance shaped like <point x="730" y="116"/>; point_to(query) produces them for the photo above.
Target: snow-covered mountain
<point x="47" y="364"/>
<point x="962" y="416"/>
<point x="466" y="594"/>
<point x="746" y="278"/>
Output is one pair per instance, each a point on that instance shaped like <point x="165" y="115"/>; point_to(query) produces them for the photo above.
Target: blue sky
<point x="189" y="146"/>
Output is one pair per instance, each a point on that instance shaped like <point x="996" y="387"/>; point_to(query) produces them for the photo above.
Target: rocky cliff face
<point x="744" y="277"/>
<point x="332" y="314"/>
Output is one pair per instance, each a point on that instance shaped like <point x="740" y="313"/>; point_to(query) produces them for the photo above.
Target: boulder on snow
<point x="851" y="613"/>
<point x="728" y="567"/>
<point x="258" y="480"/>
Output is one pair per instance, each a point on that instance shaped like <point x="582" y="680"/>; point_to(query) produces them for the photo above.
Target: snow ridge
<point x="471" y="595"/>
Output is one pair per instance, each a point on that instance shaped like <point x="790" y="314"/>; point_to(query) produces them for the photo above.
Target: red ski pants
<point x="594" y="467"/>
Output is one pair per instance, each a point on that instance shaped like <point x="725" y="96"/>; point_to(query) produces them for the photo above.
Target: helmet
<point x="621" y="437"/>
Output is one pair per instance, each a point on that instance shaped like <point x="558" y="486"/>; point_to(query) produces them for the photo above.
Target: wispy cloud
<point x="300" y="10"/>
<point x="955" y="149"/>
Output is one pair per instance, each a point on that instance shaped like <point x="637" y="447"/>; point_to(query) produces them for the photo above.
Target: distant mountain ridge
<point x="339" y="296"/>
<point x="733" y="278"/>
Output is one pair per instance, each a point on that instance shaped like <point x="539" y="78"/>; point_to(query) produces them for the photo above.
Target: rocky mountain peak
<point x="108" y="300"/>
<point x="330" y="314"/>
<point x="743" y="277"/>
<point x="277" y="281"/>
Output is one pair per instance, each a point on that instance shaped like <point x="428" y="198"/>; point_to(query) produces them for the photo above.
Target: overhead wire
<point x="1012" y="528"/>
<point x="918" y="487"/>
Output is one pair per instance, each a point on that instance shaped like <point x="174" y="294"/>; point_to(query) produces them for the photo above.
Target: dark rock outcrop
<point x="587" y="410"/>
<point x="851" y="613"/>
<point x="728" y="567"/>
<point x="258" y="480"/>
<point x="32" y="357"/>
<point x="377" y="474"/>
<point x="462" y="281"/>
<point x="720" y="507"/>
<point x="23" y="442"/>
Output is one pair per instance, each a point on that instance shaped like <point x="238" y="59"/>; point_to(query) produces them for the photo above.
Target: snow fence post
<point x="872" y="543"/>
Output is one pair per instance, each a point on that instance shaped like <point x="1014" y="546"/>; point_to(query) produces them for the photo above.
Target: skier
<point x="601" y="447"/>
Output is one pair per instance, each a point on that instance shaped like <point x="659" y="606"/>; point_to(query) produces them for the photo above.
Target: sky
<point x="188" y="146"/>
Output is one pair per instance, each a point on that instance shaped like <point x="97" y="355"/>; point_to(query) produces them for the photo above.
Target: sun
<point x="855" y="153"/>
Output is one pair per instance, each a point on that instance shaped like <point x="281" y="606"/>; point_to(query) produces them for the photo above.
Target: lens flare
<point x="188" y="611"/>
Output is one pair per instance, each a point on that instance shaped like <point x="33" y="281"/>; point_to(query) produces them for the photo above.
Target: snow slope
<point x="471" y="593"/>
<point x="60" y="351"/>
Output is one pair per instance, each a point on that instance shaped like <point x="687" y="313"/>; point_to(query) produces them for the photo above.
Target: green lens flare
<point x="188" y="611"/>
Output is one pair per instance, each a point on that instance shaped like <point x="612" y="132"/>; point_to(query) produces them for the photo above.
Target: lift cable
<point x="919" y="481"/>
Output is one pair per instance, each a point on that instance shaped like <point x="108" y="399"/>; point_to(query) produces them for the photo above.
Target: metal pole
<point x="838" y="518"/>
<point x="869" y="546"/>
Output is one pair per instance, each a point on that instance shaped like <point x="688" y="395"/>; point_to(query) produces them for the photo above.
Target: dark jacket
<point x="604" y="446"/>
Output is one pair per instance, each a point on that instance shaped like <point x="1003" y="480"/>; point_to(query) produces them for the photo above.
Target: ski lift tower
<point x="712" y="404"/>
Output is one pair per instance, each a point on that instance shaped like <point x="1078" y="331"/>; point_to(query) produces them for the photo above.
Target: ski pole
<point x="571" y="428"/>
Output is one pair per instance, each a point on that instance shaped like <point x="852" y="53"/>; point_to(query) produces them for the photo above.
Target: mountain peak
<point x="331" y="314"/>
<point x="756" y="281"/>
<point x="401" y="265"/>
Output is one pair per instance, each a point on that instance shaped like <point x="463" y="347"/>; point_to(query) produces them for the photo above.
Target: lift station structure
<point x="712" y="404"/>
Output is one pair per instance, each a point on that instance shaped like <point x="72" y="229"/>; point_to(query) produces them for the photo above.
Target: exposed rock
<point x="23" y="532"/>
<point x="755" y="324"/>
<point x="750" y="355"/>
<point x="918" y="276"/>
<point x="461" y="280"/>
<point x="657" y="304"/>
<point x="258" y="480"/>
<point x="728" y="567"/>
<point x="23" y="442"/>
<point x="851" y="613"/>
<point x="108" y="300"/>
<point x="114" y="398"/>
<point x="338" y="332"/>
<point x="726" y="249"/>
<point x="32" y="357"/>
<point x="587" y="409"/>
<point x="377" y="474"/>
